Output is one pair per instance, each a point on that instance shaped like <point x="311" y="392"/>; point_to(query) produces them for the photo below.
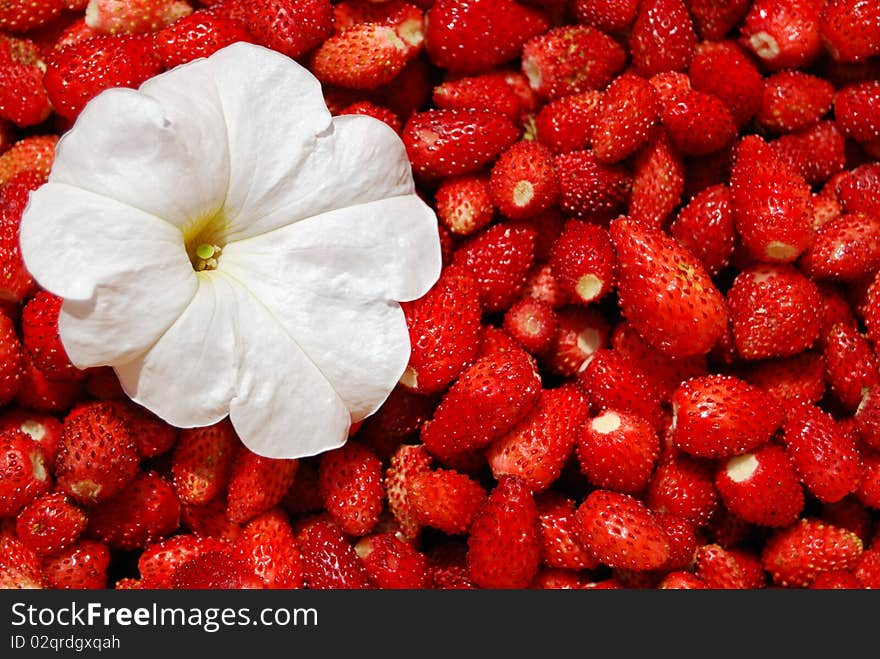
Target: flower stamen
<point x="207" y="257"/>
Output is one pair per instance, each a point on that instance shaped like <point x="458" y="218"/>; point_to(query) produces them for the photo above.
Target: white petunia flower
<point x="229" y="248"/>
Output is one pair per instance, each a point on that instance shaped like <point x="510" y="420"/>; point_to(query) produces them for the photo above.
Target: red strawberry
<point x="21" y="15"/>
<point x="867" y="417"/>
<point x="794" y="100"/>
<point x="23" y="472"/>
<point x="590" y="189"/>
<point x="537" y="449"/>
<point x="50" y="523"/>
<point x="723" y="70"/>
<point x="503" y="546"/>
<point x="532" y="323"/>
<point x="453" y="142"/>
<point x="445" y="500"/>
<point x="132" y="16"/>
<point x="613" y="16"/>
<point x="715" y="18"/>
<point x="681" y="580"/>
<point x="490" y="397"/>
<point x="400" y="417"/>
<point x="489" y="92"/>
<point x="20" y="567"/>
<point x="82" y="566"/>
<point x="682" y="486"/>
<point x="856" y="112"/>
<point x="473" y="36"/>
<point x="464" y="204"/>
<point x="151" y="435"/>
<point x="580" y="333"/>
<point x="392" y="563"/>
<point x="15" y="280"/>
<point x="720" y="416"/>
<point x="23" y="99"/>
<point x="97" y="456"/>
<point x="35" y="153"/>
<point x="783" y="33"/>
<point x="773" y="312"/>
<point x="816" y="153"/>
<point x="665" y="293"/>
<point x="158" y="562"/>
<point x="447" y="567"/>
<point x="583" y="262"/>
<point x="800" y="378"/>
<point x="564" y="124"/>
<point x="202" y="461"/>
<point x="365" y="56"/>
<point x="761" y="487"/>
<point x="557" y="579"/>
<point x="794" y="557"/>
<point x="662" y="38"/>
<point x="218" y="569"/>
<point x="350" y="482"/>
<point x="329" y="561"/>
<point x="292" y="27"/>
<point x="405" y="464"/>
<point x="719" y="568"/>
<point x="825" y="457"/>
<point x="658" y="181"/>
<point x="560" y="547"/>
<point x="846" y="247"/>
<point x="571" y="59"/>
<point x="44" y="394"/>
<point x="857" y="190"/>
<point x="850" y="364"/>
<point x="407" y="19"/>
<point x="850" y="29"/>
<point x="626" y="113"/>
<point x="268" y="545"/>
<point x="79" y="72"/>
<point x="698" y="123"/>
<point x="39" y="320"/>
<point x="379" y="112"/>
<point x="523" y="182"/>
<point x="868" y="492"/>
<point x="499" y="258"/>
<point x="617" y="451"/>
<point x="10" y="361"/>
<point x="198" y="35"/>
<point x="256" y="484"/>
<point x="835" y="580"/>
<point x="706" y="227"/>
<point x="620" y="532"/>
<point x="867" y="570"/>
<point x="871" y="311"/>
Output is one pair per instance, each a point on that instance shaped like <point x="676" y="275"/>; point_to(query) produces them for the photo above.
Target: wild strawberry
<point x="132" y="16"/>
<point x="536" y="450"/>
<point x="835" y="580"/>
<point x="202" y="461"/>
<point x="145" y="511"/>
<point x="723" y="70"/>
<point x="268" y="545"/>
<point x="658" y="181"/>
<point x="82" y="566"/>
<point x="473" y="37"/>
<point x="329" y="561"/>
<point x="613" y="16"/>
<point x="400" y="417"/>
<point x="857" y="189"/>
<point x="794" y="100"/>
<point x="662" y="38"/>
<point x="761" y="487"/>
<point x="564" y="124"/>
<point x="532" y="323"/>
<point x="571" y="59"/>
<point x="583" y="262"/>
<point x="850" y="365"/>
<point x="783" y="33"/>
<point x="198" y="35"/>
<point x="23" y="472"/>
<point x="589" y="188"/>
<point x="159" y="561"/>
<point x="23" y="99"/>
<point x="557" y="534"/>
<point x="365" y="56"/>
<point x="97" y="456"/>
<point x="547" y="225"/>
<point x="447" y="566"/>
<point x="523" y="182"/>
<point x="867" y="416"/>
<point x="855" y="110"/>
<point x="719" y="416"/>
<point x="682" y="486"/>
<point x="392" y="563"/>
<point x="846" y="247"/>
<point x="79" y="72"/>
<point x="499" y="258"/>
<point x="151" y="435"/>
<point x="627" y="111"/>
<point x="868" y="492"/>
<point x="620" y="532"/>
<point x="871" y="310"/>
<point x="368" y="109"/>
<point x="20" y="567"/>
<point x="580" y="333"/>
<point x="795" y="556"/>
<point x="557" y="579"/>
<point x="490" y="92"/>
<point x="445" y="500"/>
<point x="408" y="461"/>
<point x="34" y="153"/>
<point x="21" y="15"/>
<point x="292" y="27"/>
<point x="665" y="293"/>
<point x="867" y="570"/>
<point x="816" y="153"/>
<point x="719" y="568"/>
<point x="256" y="484"/>
<point x="706" y="227"/>
<point x="43" y="394"/>
<point x="406" y="19"/>
<point x="464" y="204"/>
<point x="453" y="142"/>
<point x="800" y="378"/>
<point x="617" y="451"/>
<point x="350" y="482"/>
<point x="10" y="361"/>
<point x="773" y="311"/>
<point x="698" y="123"/>
<point x="825" y="457"/>
<point x="503" y="546"/>
<point x="50" y="523"/>
<point x="40" y="334"/>
<point x="850" y="29"/>
<point x="216" y="569"/>
<point x="541" y="285"/>
<point x="681" y="580"/>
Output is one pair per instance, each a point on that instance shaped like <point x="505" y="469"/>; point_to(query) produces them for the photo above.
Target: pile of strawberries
<point x="651" y="359"/>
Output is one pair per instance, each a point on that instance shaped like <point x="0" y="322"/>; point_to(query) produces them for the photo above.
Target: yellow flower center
<point x="205" y="239"/>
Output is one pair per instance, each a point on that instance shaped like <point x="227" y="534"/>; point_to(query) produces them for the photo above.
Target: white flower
<point x="232" y="249"/>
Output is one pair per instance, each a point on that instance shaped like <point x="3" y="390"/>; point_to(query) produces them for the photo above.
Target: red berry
<point x="617" y="451"/>
<point x="682" y="486"/>
<point x="850" y="29"/>
<point x="350" y="482"/>
<point x="783" y="33"/>
<point x="794" y="557"/>
<point x="268" y="545"/>
<point x="50" y="523"/>
<point x="523" y="181"/>
<point x="444" y="499"/>
<point x="198" y="35"/>
<point x="202" y="461"/>
<point x="82" y="566"/>
<point x="329" y="561"/>
<point x="256" y="484"/>
<point x="292" y="27"/>
<point x="662" y="38"/>
<point x="392" y="563"/>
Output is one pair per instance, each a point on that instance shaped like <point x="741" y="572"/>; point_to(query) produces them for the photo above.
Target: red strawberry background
<point x="652" y="359"/>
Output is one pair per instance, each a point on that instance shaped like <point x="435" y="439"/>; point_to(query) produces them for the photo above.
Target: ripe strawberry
<point x="783" y="33"/>
<point x="564" y="124"/>
<point x="489" y="92"/>
<point x="151" y="435"/>
<point x="719" y="416"/>
<point x="198" y="35"/>
<point x="503" y="545"/>
<point x="617" y="451"/>
<point x="268" y="545"/>
<point x="571" y="59"/>
<point x="453" y="142"/>
<point x="800" y="378"/>
<point x="580" y="333"/>
<point x="613" y="16"/>
<point x="846" y="247"/>
<point x="682" y="487"/>
<point x="15" y="281"/>
<point x="867" y="570"/>
<point x="532" y="323"/>
<point x="379" y="112"/>
<point x="773" y="312"/>
<point x="868" y="492"/>
<point x="20" y="567"/>
<point x="557" y="534"/>
<point x="795" y="556"/>
<point x="39" y="320"/>
<point x="400" y="418"/>
<point x="761" y="487"/>
<point x="582" y="261"/>
<point x="665" y="293"/>
<point x="23" y="99"/>
<point x="715" y="18"/>
<point x="825" y="457"/>
<point x="256" y="484"/>
<point x="292" y="27"/>
<point x="620" y="532"/>
<point x="499" y="258"/>
<point x="706" y="227"/>
<point x="835" y="580"/>
<point x="871" y="310"/>
<point x="406" y="19"/>
<point x="850" y="29"/>
<point x="719" y="568"/>
<point x="365" y="56"/>
<point x="23" y="472"/>
<point x="218" y="569"/>
<point x="816" y="153"/>
<point x="329" y="561"/>
<point x="523" y="182"/>
<point x="541" y="285"/>
<point x="658" y="181"/>
<point x="590" y="189"/>
<point x="477" y="35"/>
<point x="408" y="461"/>
<point x="392" y="563"/>
<point x="627" y="111"/>
<point x="445" y="500"/>
<point x="97" y="456"/>
<point x="857" y="189"/>
<point x="662" y="38"/>
<point x="850" y="365"/>
<point x="722" y="69"/>
<point x="794" y="100"/>
<point x="21" y="15"/>
<point x="867" y="417"/>
<point x="855" y="110"/>
<point x="79" y="72"/>
<point x="159" y="561"/>
<point x="681" y="580"/>
<point x="447" y="566"/>
<point x="537" y="449"/>
<point x="82" y="566"/>
<point x="350" y="482"/>
<point x="35" y="153"/>
<point x="50" y="523"/>
<point x="464" y="204"/>
<point x="133" y="16"/>
<point x="10" y="361"/>
<point x="202" y="461"/>
<point x="44" y="394"/>
<point x="557" y="579"/>
<point x="698" y="123"/>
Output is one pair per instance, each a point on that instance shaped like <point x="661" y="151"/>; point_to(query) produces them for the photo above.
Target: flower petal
<point x="162" y="149"/>
<point x="383" y="250"/>
<point x="188" y="376"/>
